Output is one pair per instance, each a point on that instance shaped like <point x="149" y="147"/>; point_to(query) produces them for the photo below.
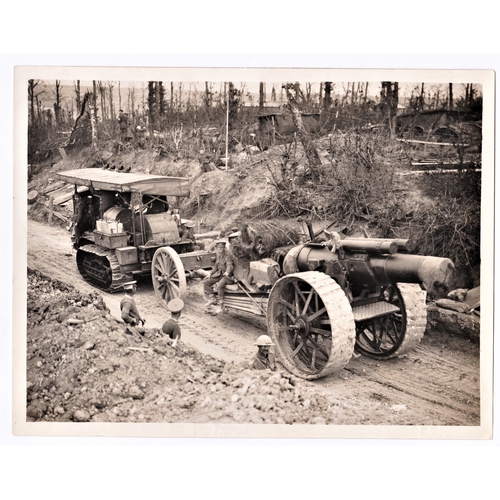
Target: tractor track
<point x="118" y="280"/>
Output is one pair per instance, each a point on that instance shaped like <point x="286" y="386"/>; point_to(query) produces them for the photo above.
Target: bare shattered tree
<point x="313" y="159"/>
<point x="81" y="115"/>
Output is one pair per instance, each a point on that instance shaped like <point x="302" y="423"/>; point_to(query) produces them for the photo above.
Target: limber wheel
<point x="393" y="334"/>
<point x="167" y="273"/>
<point x="311" y="323"/>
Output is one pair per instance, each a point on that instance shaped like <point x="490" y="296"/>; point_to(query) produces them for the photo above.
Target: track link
<point x="99" y="267"/>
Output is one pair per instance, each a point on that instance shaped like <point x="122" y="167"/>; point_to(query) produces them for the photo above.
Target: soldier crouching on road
<point x="171" y="326"/>
<point x="264" y="359"/>
<point x="129" y="312"/>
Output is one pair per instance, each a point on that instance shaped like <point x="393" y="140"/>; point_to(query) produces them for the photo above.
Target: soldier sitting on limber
<point x="130" y="314"/>
<point x="222" y="274"/>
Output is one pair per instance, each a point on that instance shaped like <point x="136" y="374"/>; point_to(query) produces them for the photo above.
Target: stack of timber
<point x="251" y="303"/>
<point x="258" y="240"/>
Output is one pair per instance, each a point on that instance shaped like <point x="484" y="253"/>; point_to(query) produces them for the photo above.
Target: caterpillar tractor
<point x="325" y="300"/>
<point x="123" y="228"/>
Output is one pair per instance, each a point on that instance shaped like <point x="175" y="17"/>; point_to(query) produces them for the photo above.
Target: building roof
<point x="109" y="180"/>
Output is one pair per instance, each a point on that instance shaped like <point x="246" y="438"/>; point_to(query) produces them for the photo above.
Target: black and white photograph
<point x="253" y="252"/>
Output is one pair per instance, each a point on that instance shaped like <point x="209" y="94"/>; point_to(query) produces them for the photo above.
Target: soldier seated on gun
<point x="171" y="326"/>
<point x="186" y="233"/>
<point x="221" y="274"/>
<point x="264" y="359"/>
<point x="130" y="314"/>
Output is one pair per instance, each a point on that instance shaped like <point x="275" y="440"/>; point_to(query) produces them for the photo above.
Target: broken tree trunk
<point x="93" y="123"/>
<point x="310" y="150"/>
<point x="82" y="112"/>
<point x="32" y="197"/>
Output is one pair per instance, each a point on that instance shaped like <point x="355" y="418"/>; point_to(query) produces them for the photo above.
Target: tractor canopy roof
<point x="122" y="182"/>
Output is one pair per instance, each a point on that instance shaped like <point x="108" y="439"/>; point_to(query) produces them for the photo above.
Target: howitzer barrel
<point x="370" y="245"/>
<point x="435" y="273"/>
<point x="404" y="245"/>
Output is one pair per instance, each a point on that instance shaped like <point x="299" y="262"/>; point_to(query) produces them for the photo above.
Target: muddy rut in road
<point x="436" y="384"/>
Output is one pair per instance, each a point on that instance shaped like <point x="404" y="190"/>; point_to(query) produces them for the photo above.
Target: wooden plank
<point x="68" y="195"/>
<point x="428" y="171"/>
<point x="57" y="186"/>
<point x="110" y="180"/>
<point x="415" y="141"/>
<point x="61" y="217"/>
<point x="434" y="164"/>
<point x="141" y="349"/>
<point x="51" y="210"/>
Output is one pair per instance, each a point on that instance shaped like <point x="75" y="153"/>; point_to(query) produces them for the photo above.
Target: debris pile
<point x="458" y="314"/>
<point x="82" y="366"/>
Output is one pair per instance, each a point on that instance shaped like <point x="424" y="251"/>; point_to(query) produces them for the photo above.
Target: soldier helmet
<point x="175" y="305"/>
<point x="189" y="223"/>
<point x="264" y="340"/>
<point x="220" y="242"/>
<point x="130" y="287"/>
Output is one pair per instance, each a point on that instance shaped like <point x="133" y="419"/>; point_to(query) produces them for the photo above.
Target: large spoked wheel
<point x="311" y="323"/>
<point x="167" y="272"/>
<point x="391" y="335"/>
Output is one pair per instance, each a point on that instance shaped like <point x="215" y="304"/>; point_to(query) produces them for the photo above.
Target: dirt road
<point x="436" y="384"/>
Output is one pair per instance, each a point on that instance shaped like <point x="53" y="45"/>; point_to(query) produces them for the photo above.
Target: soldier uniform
<point x="221" y="274"/>
<point x="264" y="359"/>
<point x="171" y="326"/>
<point x="129" y="313"/>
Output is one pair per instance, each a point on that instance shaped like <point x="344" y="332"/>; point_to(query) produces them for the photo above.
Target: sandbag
<point x="460" y="307"/>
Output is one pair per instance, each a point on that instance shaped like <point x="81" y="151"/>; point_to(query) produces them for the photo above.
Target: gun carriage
<point x="323" y="300"/>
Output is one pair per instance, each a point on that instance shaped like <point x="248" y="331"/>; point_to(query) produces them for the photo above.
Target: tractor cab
<point x="124" y="226"/>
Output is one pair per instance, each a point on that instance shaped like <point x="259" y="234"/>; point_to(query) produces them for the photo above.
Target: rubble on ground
<point x="82" y="366"/>
<point x="458" y="314"/>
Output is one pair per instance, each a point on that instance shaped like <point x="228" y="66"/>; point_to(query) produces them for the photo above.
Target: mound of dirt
<point x="218" y="197"/>
<point x="82" y="366"/>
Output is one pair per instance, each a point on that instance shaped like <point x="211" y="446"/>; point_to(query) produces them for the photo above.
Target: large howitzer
<point x="333" y="297"/>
